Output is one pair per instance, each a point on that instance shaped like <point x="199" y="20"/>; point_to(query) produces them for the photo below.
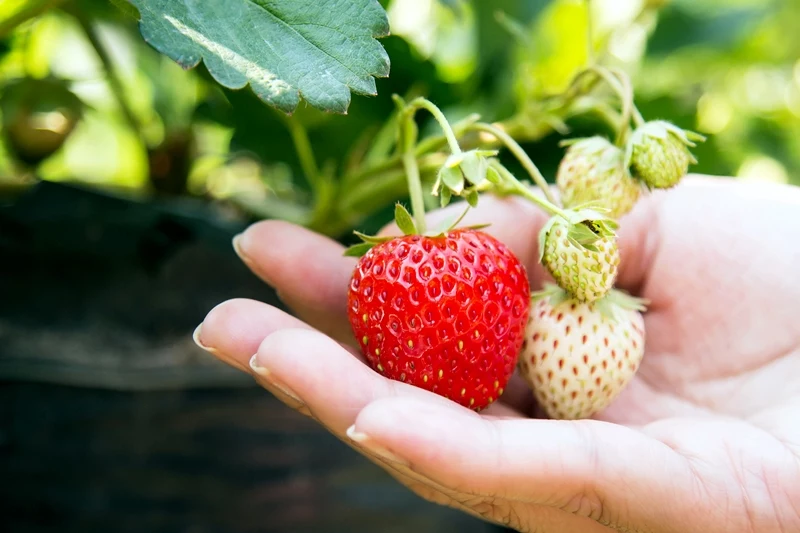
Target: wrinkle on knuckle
<point x="493" y="509"/>
<point x="472" y="505"/>
<point x="588" y="504"/>
<point x="589" y="501"/>
<point x="429" y="493"/>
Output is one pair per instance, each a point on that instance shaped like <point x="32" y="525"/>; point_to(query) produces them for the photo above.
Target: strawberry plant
<point x="311" y="112"/>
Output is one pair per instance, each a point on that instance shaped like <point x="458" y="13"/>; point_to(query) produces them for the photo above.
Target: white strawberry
<point x="577" y="357"/>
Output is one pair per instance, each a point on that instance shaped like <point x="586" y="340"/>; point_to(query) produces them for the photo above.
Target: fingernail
<point x="264" y="374"/>
<point x="213" y="351"/>
<point x="197" y="341"/>
<point x="373" y="447"/>
<point x="237" y="247"/>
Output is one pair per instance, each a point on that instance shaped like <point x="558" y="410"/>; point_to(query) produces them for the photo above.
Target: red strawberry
<point x="446" y="313"/>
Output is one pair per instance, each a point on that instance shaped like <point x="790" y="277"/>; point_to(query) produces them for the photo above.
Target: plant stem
<point x="407" y="139"/>
<point x="519" y="188"/>
<point x="600" y="108"/>
<point x="415" y="190"/>
<point x="520" y="154"/>
<point x="625" y="94"/>
<point x="424" y="147"/>
<point x="114" y="82"/>
<point x="441" y="119"/>
<point x="305" y="153"/>
<point x="625" y="80"/>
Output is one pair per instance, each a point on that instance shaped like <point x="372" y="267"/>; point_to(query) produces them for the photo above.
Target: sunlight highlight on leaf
<point x="262" y="78"/>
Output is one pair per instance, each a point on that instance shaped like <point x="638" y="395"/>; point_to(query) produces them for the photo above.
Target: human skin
<point x="705" y="438"/>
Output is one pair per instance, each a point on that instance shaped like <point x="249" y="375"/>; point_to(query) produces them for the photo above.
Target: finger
<point x="334" y="387"/>
<point x="593" y="469"/>
<point x="234" y="329"/>
<point x="307" y="270"/>
<point x="329" y="380"/>
<point x="236" y="326"/>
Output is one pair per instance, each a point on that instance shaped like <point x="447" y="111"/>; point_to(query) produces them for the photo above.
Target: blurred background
<point x="123" y="179"/>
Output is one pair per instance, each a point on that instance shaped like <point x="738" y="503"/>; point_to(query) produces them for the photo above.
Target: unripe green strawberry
<point x="593" y="172"/>
<point x="577" y="357"/>
<point x="581" y="256"/>
<point x="658" y="153"/>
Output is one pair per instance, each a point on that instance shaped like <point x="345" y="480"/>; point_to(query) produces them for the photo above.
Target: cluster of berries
<point x="451" y="310"/>
<point x="585" y="339"/>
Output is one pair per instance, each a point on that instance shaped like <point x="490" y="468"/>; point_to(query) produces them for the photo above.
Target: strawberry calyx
<point x="581" y="254"/>
<point x="584" y="228"/>
<point x="612" y="306"/>
<point x="658" y="153"/>
<point x="605" y="155"/>
<point x="661" y="129"/>
<point x="405" y="223"/>
<point x="593" y="175"/>
<point x="463" y="174"/>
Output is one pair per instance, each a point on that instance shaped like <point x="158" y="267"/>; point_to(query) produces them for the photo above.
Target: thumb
<point x="602" y="471"/>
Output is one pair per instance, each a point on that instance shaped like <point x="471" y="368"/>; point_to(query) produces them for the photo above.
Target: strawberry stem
<point x="407" y="140"/>
<point x="638" y="119"/>
<point x="440" y="118"/>
<point x="521" y="156"/>
<point x="415" y="190"/>
<point x="515" y="187"/>
<point x="625" y="94"/>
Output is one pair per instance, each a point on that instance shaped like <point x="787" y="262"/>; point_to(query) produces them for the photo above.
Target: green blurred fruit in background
<point x="38" y="117"/>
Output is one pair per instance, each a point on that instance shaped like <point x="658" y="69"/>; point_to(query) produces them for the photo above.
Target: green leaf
<point x="583" y="235"/>
<point x="357" y="250"/>
<point x="472" y="198"/>
<point x="493" y="176"/>
<point x="474" y="167"/>
<point x="404" y="220"/>
<point x="372" y="239"/>
<point x="543" y="236"/>
<point x="478" y="226"/>
<point x="452" y="178"/>
<point x="317" y="49"/>
<point x="444" y="197"/>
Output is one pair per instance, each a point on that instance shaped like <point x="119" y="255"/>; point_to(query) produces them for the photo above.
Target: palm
<point x="716" y="386"/>
<point x="721" y="328"/>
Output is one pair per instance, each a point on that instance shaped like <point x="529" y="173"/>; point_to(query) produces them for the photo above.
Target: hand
<point x="705" y="439"/>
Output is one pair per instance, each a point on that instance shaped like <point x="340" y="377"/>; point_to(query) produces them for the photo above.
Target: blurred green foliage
<point x="147" y="128"/>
